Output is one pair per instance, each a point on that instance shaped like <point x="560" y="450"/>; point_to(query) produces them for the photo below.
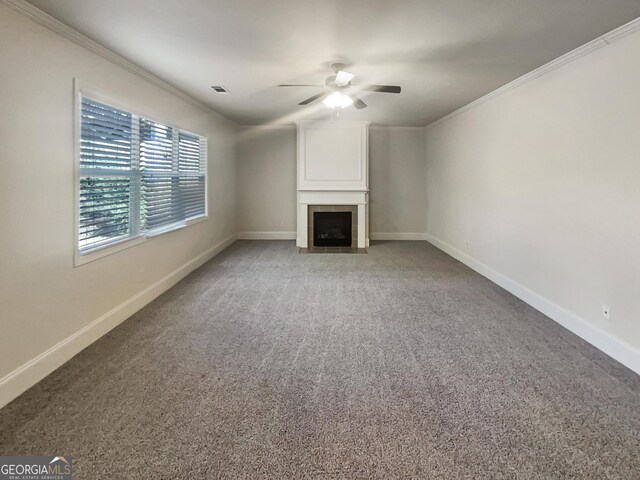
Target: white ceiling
<point x="444" y="53"/>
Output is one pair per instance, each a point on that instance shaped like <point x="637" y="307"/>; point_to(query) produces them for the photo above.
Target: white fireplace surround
<point x="333" y="169"/>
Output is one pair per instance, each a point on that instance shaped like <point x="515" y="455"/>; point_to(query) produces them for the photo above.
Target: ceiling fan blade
<point x="357" y="103"/>
<point x="343" y="78"/>
<point x="380" y="88"/>
<point x="314" y="98"/>
<point x="298" y="85"/>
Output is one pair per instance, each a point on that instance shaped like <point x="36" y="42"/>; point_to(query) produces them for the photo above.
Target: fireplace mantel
<point x="333" y="169"/>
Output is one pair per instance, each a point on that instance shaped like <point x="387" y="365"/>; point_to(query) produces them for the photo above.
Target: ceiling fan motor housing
<point x="330" y="82"/>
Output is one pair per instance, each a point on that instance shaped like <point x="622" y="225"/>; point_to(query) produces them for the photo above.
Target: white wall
<point x="397" y="171"/>
<point x="43" y="298"/>
<point x="539" y="188"/>
<point x="267" y="180"/>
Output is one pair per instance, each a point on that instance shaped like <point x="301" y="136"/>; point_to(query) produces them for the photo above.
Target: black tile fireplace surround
<point x="332" y="229"/>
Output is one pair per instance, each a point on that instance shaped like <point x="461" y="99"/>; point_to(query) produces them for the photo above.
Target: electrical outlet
<point x="606" y="312"/>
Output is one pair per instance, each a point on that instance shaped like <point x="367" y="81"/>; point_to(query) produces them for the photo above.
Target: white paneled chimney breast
<point x="333" y="171"/>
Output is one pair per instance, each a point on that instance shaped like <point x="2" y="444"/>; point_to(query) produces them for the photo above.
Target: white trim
<point x="267" y="236"/>
<point x="27" y="375"/>
<point x="398" y="236"/>
<point x="378" y="126"/>
<point x="586" y="49"/>
<point x="80" y="258"/>
<point x="359" y="130"/>
<point x="332" y="197"/>
<point x="615" y="347"/>
<point x="623" y="31"/>
<point x="55" y="25"/>
<point x="69" y="33"/>
<point x="82" y="89"/>
<point x="176" y="226"/>
<point x="321" y="197"/>
<point x="277" y="126"/>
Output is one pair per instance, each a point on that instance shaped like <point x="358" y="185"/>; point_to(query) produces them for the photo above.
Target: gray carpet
<point x="401" y="363"/>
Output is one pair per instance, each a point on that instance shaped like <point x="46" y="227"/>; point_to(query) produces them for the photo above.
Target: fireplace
<point x="333" y="176"/>
<point x="332" y="229"/>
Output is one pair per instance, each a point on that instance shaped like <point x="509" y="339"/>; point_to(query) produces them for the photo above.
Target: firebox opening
<point x="332" y="229"/>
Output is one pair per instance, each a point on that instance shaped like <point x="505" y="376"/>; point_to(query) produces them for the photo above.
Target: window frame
<point x="138" y="237"/>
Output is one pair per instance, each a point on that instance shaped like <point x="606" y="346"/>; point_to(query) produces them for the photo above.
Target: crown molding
<point x="377" y="126"/>
<point x="283" y="126"/>
<point x="623" y="31"/>
<point x="600" y="42"/>
<point x="46" y="20"/>
<point x="55" y="25"/>
<point x="344" y="123"/>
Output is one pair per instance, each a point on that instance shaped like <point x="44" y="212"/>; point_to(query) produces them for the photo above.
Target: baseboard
<point x="267" y="236"/>
<point x="27" y="375"/>
<point x="616" y="348"/>
<point x="398" y="236"/>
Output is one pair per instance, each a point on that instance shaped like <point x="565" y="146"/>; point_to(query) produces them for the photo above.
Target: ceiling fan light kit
<point x="338" y="100"/>
<point x="335" y="85"/>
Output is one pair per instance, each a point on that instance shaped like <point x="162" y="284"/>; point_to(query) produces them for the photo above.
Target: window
<point x="138" y="177"/>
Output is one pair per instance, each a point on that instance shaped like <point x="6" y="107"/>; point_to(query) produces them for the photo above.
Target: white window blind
<point x="137" y="176"/>
<point x="192" y="164"/>
<point x="173" y="175"/>
<point x="157" y="164"/>
<point x="107" y="172"/>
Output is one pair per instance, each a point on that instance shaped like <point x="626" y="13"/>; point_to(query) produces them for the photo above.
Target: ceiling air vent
<point x="220" y="89"/>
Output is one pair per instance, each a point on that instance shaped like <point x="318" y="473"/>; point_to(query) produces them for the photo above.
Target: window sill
<point x="175" y="226"/>
<point x="91" y="255"/>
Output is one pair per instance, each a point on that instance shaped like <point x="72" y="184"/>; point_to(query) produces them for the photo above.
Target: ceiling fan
<point x="336" y="86"/>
